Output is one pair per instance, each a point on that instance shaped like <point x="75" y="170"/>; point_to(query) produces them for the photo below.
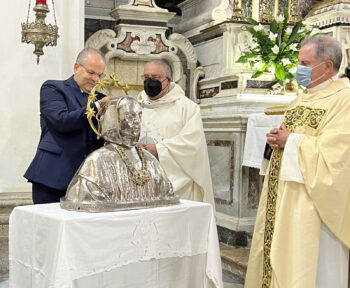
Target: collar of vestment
<point x="175" y="92"/>
<point x="326" y="89"/>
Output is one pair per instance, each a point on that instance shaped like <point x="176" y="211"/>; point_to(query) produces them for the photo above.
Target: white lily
<point x="280" y="18"/>
<point x="308" y="27"/>
<point x="275" y="49"/>
<point x="273" y="36"/>
<point x="289" y="30"/>
<point x="258" y="28"/>
<point x="254" y="45"/>
<point x="301" y="30"/>
<point x="285" y="61"/>
<point x="293" y="70"/>
<point x="293" y="46"/>
<point x="258" y="65"/>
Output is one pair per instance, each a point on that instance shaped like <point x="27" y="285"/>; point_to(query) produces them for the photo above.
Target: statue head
<point x="121" y="121"/>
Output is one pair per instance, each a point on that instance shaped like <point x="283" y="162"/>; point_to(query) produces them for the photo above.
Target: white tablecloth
<point x="174" y="246"/>
<point x="257" y="127"/>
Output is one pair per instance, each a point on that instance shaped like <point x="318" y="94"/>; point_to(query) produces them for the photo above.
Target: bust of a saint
<point x="120" y="175"/>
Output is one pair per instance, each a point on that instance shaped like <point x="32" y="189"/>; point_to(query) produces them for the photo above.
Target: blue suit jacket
<point x="66" y="137"/>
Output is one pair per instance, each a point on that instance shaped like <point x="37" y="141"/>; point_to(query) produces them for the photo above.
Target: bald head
<point x="164" y="64"/>
<point x="86" y="52"/>
<point x="326" y="48"/>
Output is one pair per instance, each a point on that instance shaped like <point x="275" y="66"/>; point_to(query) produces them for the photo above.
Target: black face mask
<point x="152" y="87"/>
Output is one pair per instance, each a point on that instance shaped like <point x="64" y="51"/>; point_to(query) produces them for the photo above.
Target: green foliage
<point x="276" y="47"/>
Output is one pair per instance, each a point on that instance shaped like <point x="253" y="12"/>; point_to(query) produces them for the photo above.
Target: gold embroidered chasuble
<point x="286" y="236"/>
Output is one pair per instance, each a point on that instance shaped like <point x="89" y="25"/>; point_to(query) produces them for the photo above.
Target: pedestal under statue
<point x="120" y="175"/>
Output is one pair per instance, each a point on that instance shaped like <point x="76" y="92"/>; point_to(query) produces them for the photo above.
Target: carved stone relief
<point x="222" y="13"/>
<point x="141" y="43"/>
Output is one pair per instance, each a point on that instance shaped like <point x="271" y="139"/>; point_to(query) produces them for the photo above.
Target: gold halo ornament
<point x="103" y="84"/>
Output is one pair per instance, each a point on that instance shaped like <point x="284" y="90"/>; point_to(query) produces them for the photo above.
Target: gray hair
<point x="166" y="66"/>
<point x="326" y="48"/>
<point x="83" y="55"/>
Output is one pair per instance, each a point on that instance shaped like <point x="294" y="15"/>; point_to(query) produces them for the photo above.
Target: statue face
<point x="129" y="114"/>
<point x="130" y="127"/>
<point x="121" y="121"/>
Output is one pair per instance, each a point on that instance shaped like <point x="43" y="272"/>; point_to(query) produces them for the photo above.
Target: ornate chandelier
<point x="38" y="33"/>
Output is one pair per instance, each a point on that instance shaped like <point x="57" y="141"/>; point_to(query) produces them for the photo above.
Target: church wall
<point x="197" y="14"/>
<point x="210" y="55"/>
<point x="21" y="81"/>
<point x="21" y="78"/>
<point x="128" y="72"/>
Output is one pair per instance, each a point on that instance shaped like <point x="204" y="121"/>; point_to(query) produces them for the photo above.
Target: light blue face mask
<point x="303" y="75"/>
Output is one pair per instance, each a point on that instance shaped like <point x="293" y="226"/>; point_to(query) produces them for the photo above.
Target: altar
<point x="173" y="246"/>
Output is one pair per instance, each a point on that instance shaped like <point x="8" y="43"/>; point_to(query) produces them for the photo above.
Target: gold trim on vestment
<point x="296" y="117"/>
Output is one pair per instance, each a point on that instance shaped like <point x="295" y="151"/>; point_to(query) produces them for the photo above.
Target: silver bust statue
<point x="120" y="175"/>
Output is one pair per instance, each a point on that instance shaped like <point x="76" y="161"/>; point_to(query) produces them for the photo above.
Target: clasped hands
<point x="277" y="137"/>
<point x="151" y="148"/>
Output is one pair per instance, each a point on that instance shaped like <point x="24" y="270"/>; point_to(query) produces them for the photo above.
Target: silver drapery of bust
<point x="106" y="181"/>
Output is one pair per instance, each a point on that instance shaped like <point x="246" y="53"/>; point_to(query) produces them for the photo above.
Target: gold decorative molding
<point x="267" y="15"/>
<point x="237" y="12"/>
<point x="294" y="17"/>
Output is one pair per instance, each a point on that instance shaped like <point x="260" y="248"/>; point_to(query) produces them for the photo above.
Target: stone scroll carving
<point x="143" y="42"/>
<point x="191" y="73"/>
<point x="223" y="12"/>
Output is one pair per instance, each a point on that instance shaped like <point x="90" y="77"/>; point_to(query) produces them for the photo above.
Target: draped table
<point x="258" y="126"/>
<point x="173" y="246"/>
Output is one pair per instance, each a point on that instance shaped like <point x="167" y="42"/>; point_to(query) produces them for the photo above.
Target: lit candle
<point x="41" y="2"/>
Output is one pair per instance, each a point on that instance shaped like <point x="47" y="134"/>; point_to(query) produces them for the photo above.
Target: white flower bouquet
<point x="275" y="49"/>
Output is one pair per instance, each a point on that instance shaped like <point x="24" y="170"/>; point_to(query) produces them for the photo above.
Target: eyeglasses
<point x="93" y="73"/>
<point x="153" y="76"/>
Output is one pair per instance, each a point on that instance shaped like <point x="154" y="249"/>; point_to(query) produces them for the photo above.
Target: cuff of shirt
<point x="290" y="170"/>
<point x="97" y="105"/>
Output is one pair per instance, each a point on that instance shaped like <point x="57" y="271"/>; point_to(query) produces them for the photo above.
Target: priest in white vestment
<point x="172" y="131"/>
<point x="302" y="231"/>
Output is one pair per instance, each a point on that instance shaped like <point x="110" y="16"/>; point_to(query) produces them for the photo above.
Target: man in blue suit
<point x="66" y="137"/>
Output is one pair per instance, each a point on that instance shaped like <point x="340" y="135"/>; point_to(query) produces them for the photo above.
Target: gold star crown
<point x="103" y="84"/>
